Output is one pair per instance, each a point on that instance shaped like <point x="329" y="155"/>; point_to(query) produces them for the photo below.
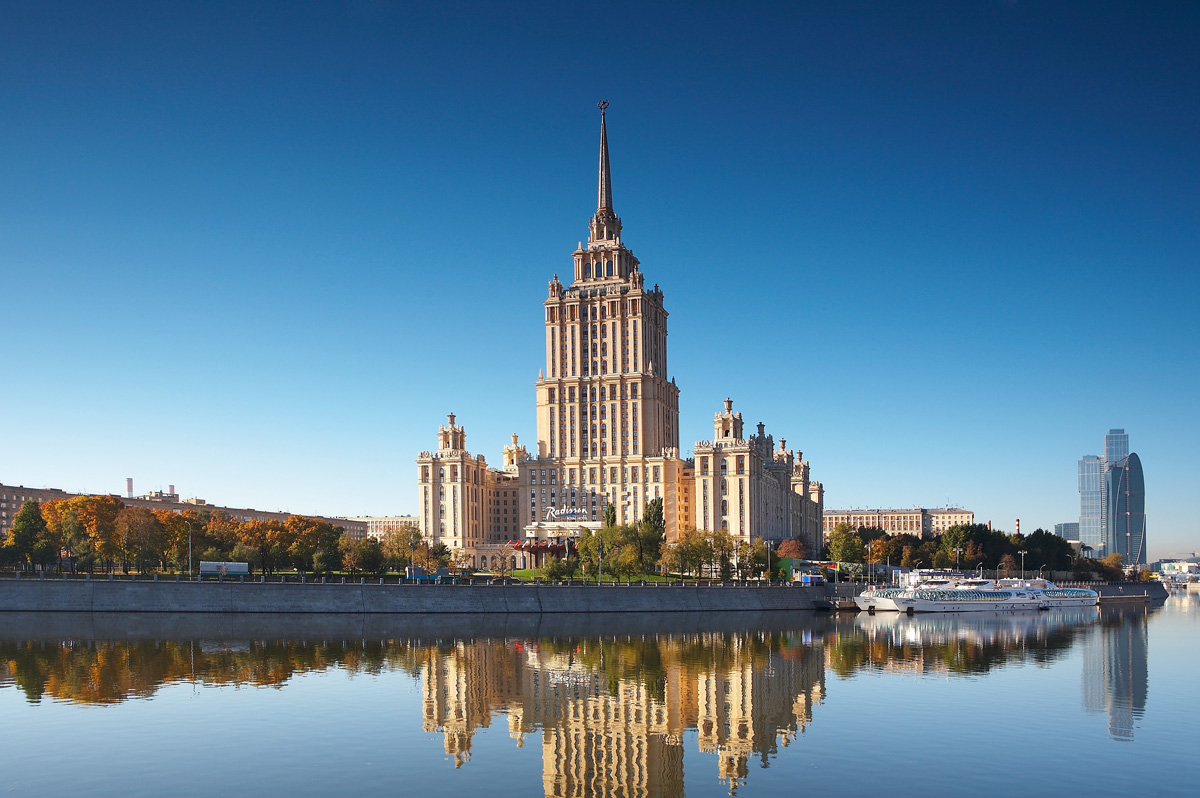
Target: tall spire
<point x="605" y="225"/>
<point x="604" y="202"/>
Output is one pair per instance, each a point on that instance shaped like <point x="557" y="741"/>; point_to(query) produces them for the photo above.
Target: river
<point x="1050" y="703"/>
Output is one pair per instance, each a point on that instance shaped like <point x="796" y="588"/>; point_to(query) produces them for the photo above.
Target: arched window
<point x="608" y="267"/>
<point x="587" y="270"/>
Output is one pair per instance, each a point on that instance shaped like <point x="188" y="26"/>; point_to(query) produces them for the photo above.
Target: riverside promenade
<point x="371" y="596"/>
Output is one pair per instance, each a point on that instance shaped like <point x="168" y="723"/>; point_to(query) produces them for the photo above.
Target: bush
<point x="557" y="569"/>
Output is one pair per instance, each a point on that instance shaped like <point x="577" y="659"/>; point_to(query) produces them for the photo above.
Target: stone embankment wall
<point x="74" y="595"/>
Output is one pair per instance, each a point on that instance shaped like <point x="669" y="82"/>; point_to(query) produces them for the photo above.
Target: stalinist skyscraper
<point x="607" y="425"/>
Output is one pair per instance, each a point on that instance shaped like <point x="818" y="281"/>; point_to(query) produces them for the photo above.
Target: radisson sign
<point x="566" y="514"/>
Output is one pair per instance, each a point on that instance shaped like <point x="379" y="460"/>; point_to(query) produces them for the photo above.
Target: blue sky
<point x="941" y="248"/>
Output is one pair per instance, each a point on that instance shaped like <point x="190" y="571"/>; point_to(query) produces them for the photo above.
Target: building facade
<point x="378" y="526"/>
<point x="919" y="521"/>
<point x="752" y="489"/>
<point x="1068" y="530"/>
<point x="607" y="426"/>
<point x="1091" y="504"/>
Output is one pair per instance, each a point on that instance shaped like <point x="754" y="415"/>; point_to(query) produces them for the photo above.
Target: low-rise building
<point x="378" y="526"/>
<point x="919" y="521"/>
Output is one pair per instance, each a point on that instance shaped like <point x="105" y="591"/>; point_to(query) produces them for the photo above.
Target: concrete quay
<point x="104" y="596"/>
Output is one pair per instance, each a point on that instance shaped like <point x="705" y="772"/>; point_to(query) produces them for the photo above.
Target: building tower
<point x="607" y="411"/>
<point x="1091" y="505"/>
<point x="1126" y="515"/>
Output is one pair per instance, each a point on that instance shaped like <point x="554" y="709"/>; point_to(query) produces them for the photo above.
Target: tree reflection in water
<point x="611" y="710"/>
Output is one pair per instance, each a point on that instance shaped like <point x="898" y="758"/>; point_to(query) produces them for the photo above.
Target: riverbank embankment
<point x="102" y="595"/>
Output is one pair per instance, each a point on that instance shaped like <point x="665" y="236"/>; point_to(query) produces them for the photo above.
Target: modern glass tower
<point x="1091" y="504"/>
<point x="1116" y="446"/>
<point x="1126" y="511"/>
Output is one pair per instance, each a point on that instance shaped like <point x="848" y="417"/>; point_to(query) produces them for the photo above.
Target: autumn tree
<point x="142" y="539"/>
<point x="791" y="549"/>
<point x="98" y="517"/>
<point x="349" y="554"/>
<point x="264" y="539"/>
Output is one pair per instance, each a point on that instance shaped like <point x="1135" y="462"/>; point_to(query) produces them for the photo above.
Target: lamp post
<point x="1022" y="552"/>
<point x="957" y="551"/>
<point x="867" y="569"/>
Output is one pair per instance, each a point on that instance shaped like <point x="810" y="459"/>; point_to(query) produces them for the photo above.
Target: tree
<point x="398" y="546"/>
<point x="98" y="516"/>
<point x="1008" y="564"/>
<point x="610" y="515"/>
<point x="264" y="538"/>
<point x="791" y="549"/>
<point x="845" y="545"/>
<point x="349" y="555"/>
<point x="557" y="568"/>
<point x="28" y="528"/>
<point x="721" y="551"/>
<point x="502" y="562"/>
<point x="370" y="556"/>
<point x="460" y="560"/>
<point x="142" y="539"/>
<point x="649" y="536"/>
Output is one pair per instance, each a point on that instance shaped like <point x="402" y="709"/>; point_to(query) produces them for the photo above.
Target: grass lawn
<point x="530" y="574"/>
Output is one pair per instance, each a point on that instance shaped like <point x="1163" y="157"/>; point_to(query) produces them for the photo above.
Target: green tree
<point x="610" y="515"/>
<point x="28" y="528"/>
<point x="845" y="545"/>
<point x="649" y="536"/>
<point x="399" y="545"/>
<point x="558" y="568"/>
<point x="370" y="556"/>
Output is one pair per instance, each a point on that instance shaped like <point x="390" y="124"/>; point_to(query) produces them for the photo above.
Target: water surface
<point x="746" y="704"/>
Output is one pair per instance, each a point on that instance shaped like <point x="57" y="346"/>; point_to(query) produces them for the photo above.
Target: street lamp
<point x="957" y="551"/>
<point x="1022" y="552"/>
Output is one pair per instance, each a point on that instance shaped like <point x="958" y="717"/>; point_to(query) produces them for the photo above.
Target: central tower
<point x="606" y="406"/>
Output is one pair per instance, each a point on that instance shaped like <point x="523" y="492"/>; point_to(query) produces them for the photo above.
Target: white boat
<point x="922" y="599"/>
<point x="1054" y="595"/>
<point x="879" y="599"/>
<point x="982" y="595"/>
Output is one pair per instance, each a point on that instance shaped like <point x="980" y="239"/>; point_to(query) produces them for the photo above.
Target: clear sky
<point x="259" y="252"/>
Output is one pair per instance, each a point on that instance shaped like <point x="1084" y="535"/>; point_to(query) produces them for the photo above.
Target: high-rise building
<point x="1116" y="446"/>
<point x="1091" y="505"/>
<point x="1125" y="533"/>
<point x="607" y="430"/>
<point x="1112" y="501"/>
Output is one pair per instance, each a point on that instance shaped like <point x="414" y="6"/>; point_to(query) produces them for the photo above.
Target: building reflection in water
<point x="613" y="714"/>
<point x="1115" y="673"/>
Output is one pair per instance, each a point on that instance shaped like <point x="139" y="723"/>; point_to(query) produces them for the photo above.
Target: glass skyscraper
<point x="1116" y="446"/>
<point x="1126" y="511"/>
<point x="1112" y="501"/>
<point x="1091" y="504"/>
